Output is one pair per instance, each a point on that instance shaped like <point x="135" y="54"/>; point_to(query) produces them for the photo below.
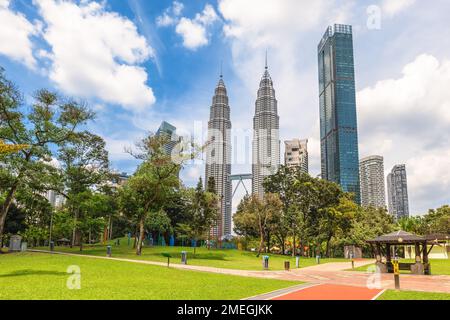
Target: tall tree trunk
<point x="328" y="246"/>
<point x="268" y="241"/>
<point x="5" y="207"/>
<point x="141" y="235"/>
<point x="293" y="245"/>
<point x="261" y="242"/>
<point x="74" y="231"/>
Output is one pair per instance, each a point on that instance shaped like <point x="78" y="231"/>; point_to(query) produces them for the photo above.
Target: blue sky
<point x="140" y="62"/>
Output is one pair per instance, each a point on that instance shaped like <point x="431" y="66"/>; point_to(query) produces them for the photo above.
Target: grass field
<point x="228" y="259"/>
<point x="438" y="267"/>
<point x="413" y="295"/>
<point x="35" y="276"/>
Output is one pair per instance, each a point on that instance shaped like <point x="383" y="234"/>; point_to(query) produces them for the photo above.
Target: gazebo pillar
<point x="388" y="258"/>
<point x="417" y="252"/>
<point x="425" y="259"/>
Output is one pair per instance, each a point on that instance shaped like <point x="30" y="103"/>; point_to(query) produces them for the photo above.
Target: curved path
<point x="329" y="274"/>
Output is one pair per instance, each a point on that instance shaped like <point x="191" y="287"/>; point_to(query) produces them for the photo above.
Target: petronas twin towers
<point x="266" y="147"/>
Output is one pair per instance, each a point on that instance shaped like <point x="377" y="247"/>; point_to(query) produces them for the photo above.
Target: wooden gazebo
<point x="382" y="247"/>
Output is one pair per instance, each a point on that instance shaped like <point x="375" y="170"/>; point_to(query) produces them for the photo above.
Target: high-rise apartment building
<point x="338" y="121"/>
<point x="372" y="182"/>
<point x="266" y="141"/>
<point x="398" y="192"/>
<point x="169" y="132"/>
<point x="218" y="158"/>
<point x="296" y="154"/>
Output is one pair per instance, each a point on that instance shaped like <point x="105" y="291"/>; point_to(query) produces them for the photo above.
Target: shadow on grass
<point x="21" y="273"/>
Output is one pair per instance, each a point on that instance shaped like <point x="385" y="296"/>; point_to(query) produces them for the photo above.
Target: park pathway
<point x="329" y="273"/>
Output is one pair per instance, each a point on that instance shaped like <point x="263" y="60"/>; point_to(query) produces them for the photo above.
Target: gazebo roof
<point x="437" y="237"/>
<point x="398" y="237"/>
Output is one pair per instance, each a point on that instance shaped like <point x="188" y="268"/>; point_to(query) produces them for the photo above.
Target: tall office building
<point x="338" y="122"/>
<point x="398" y="192"/>
<point x="266" y="141"/>
<point x="218" y="158"/>
<point x="169" y="132"/>
<point x="372" y="182"/>
<point x="296" y="154"/>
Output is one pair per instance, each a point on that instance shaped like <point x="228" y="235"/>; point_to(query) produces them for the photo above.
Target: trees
<point x="256" y="216"/>
<point x="84" y="166"/>
<point x="437" y="221"/>
<point x="150" y="187"/>
<point x="49" y="123"/>
<point x="368" y="223"/>
<point x="312" y="208"/>
<point x="202" y="208"/>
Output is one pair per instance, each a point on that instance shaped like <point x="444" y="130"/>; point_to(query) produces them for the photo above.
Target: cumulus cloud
<point x="95" y="53"/>
<point x="15" y="35"/>
<point x="170" y="15"/>
<point x="193" y="31"/>
<point x="407" y="120"/>
<point x="393" y="7"/>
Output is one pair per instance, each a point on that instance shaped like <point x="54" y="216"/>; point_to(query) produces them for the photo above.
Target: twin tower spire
<point x="265" y="150"/>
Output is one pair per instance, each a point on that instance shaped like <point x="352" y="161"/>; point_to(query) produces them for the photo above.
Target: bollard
<point x="52" y="246"/>
<point x="287" y="266"/>
<point x="266" y="262"/>
<point x="396" y="274"/>
<point x="318" y="259"/>
<point x="184" y="257"/>
<point x="353" y="264"/>
<point x="297" y="262"/>
<point x="109" y="251"/>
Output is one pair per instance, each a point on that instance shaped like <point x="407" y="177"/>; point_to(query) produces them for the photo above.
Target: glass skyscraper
<point x="338" y="122"/>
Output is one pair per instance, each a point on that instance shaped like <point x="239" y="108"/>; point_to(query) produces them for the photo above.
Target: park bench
<point x="405" y="266"/>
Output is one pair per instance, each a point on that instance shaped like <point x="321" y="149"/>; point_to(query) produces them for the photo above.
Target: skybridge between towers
<point x="241" y="178"/>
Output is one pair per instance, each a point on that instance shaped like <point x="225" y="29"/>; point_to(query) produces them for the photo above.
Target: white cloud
<point x="193" y="31"/>
<point x="393" y="7"/>
<point x="15" y="34"/>
<point x="170" y="15"/>
<point x="96" y="53"/>
<point x="408" y="121"/>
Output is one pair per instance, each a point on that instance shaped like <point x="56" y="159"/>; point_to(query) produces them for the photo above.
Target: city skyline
<point x="172" y="72"/>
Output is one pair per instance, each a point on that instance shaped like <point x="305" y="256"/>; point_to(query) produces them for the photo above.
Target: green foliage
<point x="368" y="223"/>
<point x="202" y="212"/>
<point x="158" y="222"/>
<point x="50" y="123"/>
<point x="149" y="189"/>
<point x="258" y="216"/>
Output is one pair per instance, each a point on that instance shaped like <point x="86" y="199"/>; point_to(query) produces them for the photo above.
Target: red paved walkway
<point x="331" y="292"/>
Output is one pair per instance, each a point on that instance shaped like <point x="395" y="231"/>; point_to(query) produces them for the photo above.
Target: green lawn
<point x="228" y="259"/>
<point x="438" y="267"/>
<point x="413" y="295"/>
<point x="36" y="276"/>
